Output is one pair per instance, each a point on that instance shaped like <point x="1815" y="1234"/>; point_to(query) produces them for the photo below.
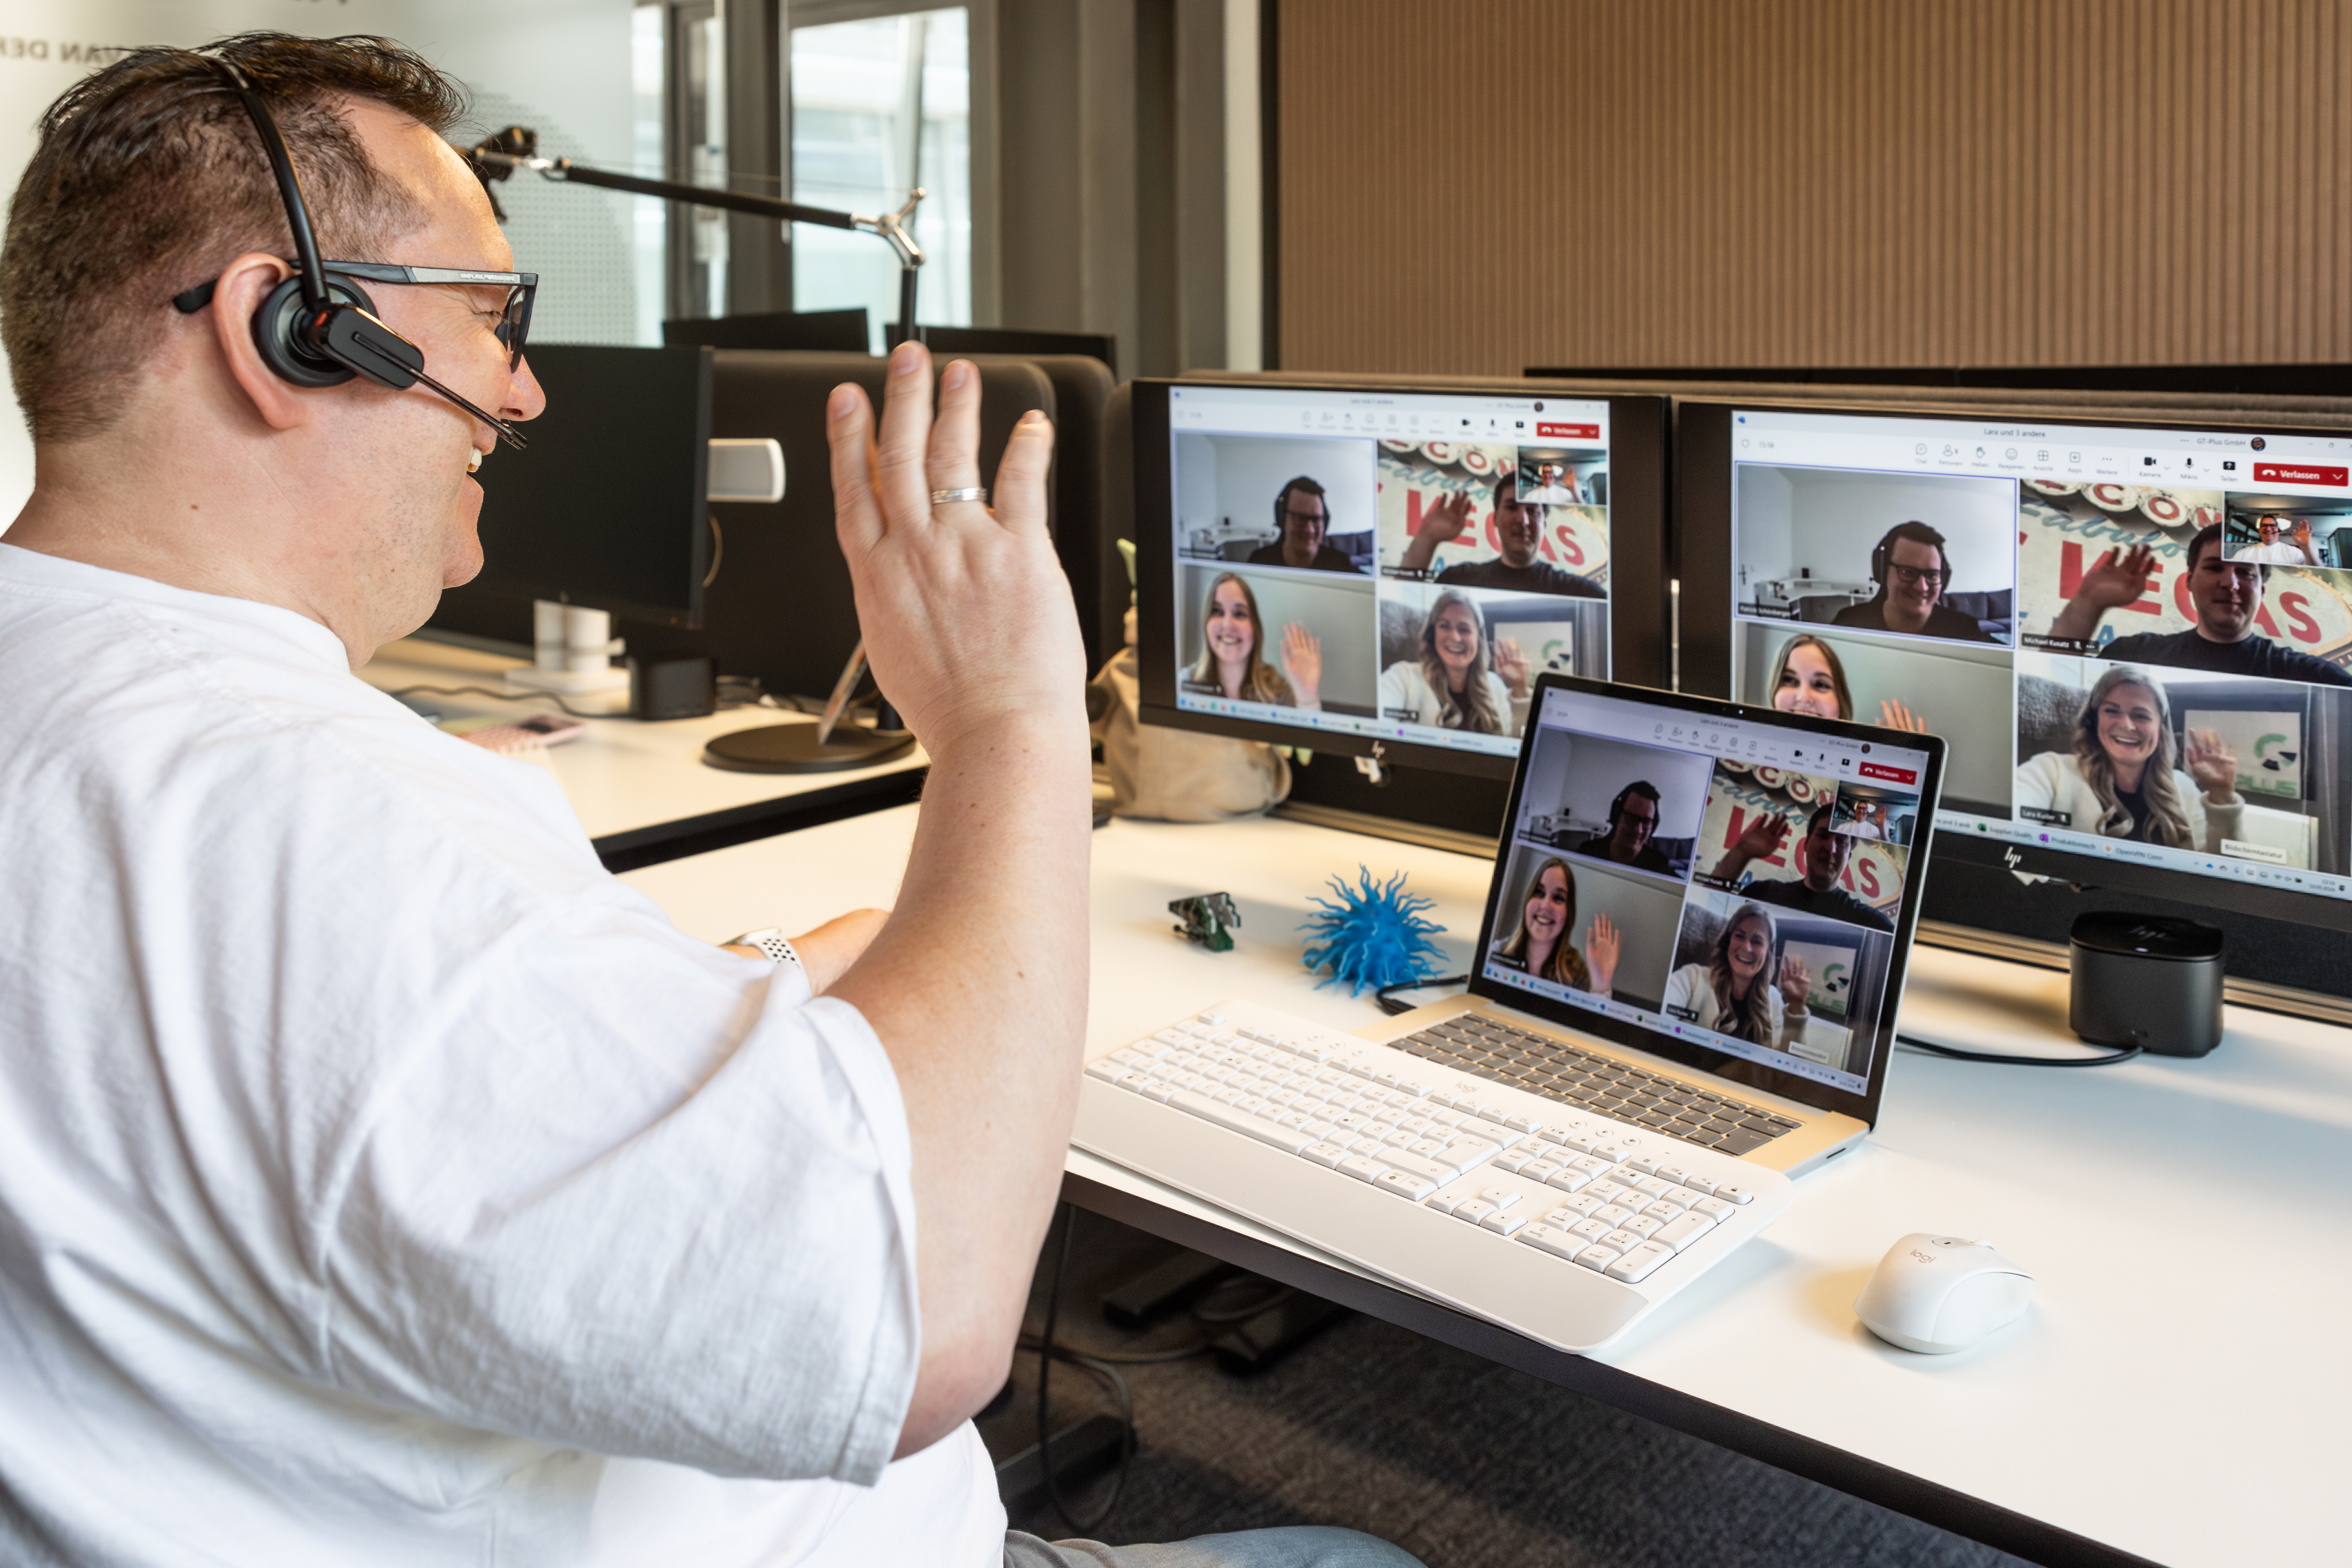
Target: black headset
<point x="1882" y="553"/>
<point x="1642" y="787"/>
<point x="1282" y="503"/>
<point x="317" y="331"/>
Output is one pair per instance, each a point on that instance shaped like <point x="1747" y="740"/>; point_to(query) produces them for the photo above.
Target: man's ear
<point x="243" y="284"/>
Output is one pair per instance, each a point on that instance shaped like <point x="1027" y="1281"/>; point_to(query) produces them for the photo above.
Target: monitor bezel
<point x="1703" y="477"/>
<point x="1738" y="1069"/>
<point x="1637" y="598"/>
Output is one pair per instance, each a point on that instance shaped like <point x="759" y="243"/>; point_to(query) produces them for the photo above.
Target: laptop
<point x="1684" y="994"/>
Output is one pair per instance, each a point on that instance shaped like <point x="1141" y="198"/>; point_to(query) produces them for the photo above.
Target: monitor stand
<point x="793" y="749"/>
<point x="1459" y="812"/>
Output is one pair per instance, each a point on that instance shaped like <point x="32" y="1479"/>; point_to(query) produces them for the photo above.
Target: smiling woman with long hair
<point x="2117" y="778"/>
<point x="1736" y="993"/>
<point x="1458" y="682"/>
<point x="1232" y="652"/>
<point x="1541" y="946"/>
<point x="1807" y="676"/>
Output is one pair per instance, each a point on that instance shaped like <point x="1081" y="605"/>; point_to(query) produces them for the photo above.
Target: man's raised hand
<point x="967" y="617"/>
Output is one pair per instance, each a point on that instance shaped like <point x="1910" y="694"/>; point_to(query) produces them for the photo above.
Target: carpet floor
<point x="1465" y="1463"/>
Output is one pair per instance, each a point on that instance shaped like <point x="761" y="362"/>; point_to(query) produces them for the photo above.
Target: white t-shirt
<point x="371" y="1160"/>
<point x="2279" y="554"/>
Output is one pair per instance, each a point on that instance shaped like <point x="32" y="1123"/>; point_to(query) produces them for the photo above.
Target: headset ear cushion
<point x="273" y="333"/>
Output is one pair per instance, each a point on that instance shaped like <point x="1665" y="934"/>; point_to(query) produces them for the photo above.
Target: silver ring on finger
<point x="974" y="492"/>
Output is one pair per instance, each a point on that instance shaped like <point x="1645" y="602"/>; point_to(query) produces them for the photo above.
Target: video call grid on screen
<point x="2057" y="636"/>
<point x="1633" y="834"/>
<point x="1441" y="552"/>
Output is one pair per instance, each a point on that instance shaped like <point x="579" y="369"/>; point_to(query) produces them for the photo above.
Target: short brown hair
<point x="150" y="178"/>
<point x="2210" y="538"/>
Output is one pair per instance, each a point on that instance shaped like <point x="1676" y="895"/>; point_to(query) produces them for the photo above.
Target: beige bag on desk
<point x="1178" y="775"/>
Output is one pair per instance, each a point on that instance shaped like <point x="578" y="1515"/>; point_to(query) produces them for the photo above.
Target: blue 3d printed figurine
<point x="1374" y="934"/>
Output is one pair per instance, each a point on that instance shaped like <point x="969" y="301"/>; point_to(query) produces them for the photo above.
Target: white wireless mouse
<point x="1936" y="1294"/>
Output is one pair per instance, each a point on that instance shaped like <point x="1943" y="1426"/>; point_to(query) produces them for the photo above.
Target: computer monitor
<point x="1384" y="570"/>
<point x="947" y="342"/>
<point x="2136" y="637"/>
<point x="834" y="331"/>
<point x="608" y="506"/>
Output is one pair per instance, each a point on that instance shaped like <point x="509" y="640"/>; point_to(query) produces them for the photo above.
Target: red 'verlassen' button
<point x="2300" y="474"/>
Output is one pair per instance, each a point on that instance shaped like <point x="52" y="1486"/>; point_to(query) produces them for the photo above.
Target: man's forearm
<point x="978" y="990"/>
<point x="2078" y="622"/>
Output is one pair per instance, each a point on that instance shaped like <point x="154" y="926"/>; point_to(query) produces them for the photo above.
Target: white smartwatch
<point x="769" y="939"/>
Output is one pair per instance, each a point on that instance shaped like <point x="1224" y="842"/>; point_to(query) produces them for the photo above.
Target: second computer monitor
<point x="2135" y="637"/>
<point x="1385" y="571"/>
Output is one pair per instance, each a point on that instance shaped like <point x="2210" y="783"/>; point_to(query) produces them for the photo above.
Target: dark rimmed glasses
<point x="514" y="317"/>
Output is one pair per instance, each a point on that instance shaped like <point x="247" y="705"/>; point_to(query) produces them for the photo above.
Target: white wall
<point x="565" y="61"/>
<point x="1252" y="470"/>
<point x="1196" y="483"/>
<point x="1762" y="501"/>
<point x="1834" y="516"/>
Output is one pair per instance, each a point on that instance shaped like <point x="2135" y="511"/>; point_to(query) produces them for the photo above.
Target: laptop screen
<point x="1730" y="887"/>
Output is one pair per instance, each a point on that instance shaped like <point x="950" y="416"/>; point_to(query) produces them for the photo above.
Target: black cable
<point x="1386" y="994"/>
<point x="1266" y="1303"/>
<point x="2122" y="1054"/>
<point x="502" y="696"/>
<point x="1051" y="1353"/>
<point x="1120" y="1358"/>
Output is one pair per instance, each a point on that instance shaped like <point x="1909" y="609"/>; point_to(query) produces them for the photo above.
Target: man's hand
<point x="2214" y="763"/>
<point x="2302" y="540"/>
<point x="1796" y="981"/>
<point x="1440" y="525"/>
<point x="1600" y="943"/>
<point x="1302" y="661"/>
<point x="2111" y="583"/>
<point x="967" y="615"/>
<point x="1511" y="664"/>
<point x="1761" y="841"/>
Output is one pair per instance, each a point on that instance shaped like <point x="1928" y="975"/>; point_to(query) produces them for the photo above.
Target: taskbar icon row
<point x="2263" y="864"/>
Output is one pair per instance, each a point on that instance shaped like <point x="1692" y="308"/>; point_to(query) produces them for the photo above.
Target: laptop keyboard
<point x="1558" y="1070"/>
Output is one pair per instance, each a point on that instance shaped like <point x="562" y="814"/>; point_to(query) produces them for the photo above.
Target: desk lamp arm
<point x="515" y="148"/>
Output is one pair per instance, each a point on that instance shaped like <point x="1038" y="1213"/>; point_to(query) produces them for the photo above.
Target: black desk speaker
<point x="2150" y="981"/>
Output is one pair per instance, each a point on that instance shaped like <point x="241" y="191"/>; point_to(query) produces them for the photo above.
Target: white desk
<point x="2173" y="1393"/>
<point x="641" y="788"/>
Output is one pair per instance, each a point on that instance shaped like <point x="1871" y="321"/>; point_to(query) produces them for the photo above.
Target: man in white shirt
<point x="381" y="1182"/>
<point x="2272" y="551"/>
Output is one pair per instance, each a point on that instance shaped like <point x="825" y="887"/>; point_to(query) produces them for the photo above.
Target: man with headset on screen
<point x="1303" y="514"/>
<point x="2272" y="551"/>
<point x="1912" y="570"/>
<point x="1633" y="820"/>
<point x="379" y="1178"/>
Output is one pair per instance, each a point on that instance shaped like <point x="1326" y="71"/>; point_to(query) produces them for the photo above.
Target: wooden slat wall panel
<point x="1474" y="185"/>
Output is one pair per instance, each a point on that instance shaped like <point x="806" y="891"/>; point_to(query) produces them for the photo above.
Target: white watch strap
<point x="770" y="941"/>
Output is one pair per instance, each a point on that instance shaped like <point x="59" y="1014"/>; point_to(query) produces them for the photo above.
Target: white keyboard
<point x="1487" y="1197"/>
